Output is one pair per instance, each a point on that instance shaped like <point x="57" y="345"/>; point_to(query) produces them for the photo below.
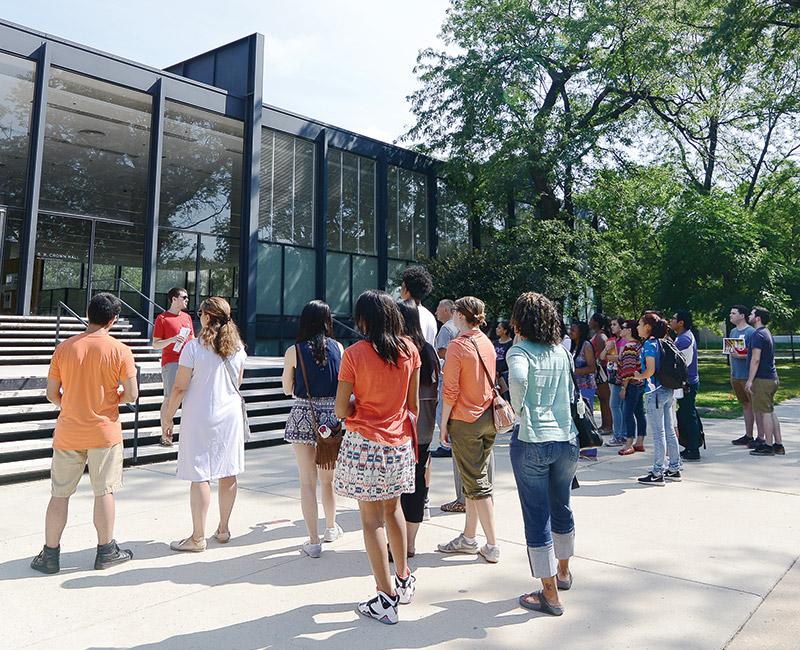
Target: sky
<point x="346" y="62"/>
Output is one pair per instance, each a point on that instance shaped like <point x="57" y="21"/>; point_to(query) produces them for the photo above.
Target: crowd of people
<point x="385" y="399"/>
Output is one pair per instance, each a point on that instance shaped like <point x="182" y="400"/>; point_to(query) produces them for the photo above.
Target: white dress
<point x="211" y="430"/>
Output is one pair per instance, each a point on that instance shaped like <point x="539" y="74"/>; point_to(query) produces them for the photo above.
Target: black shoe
<point x="755" y="443"/>
<point x="442" y="452"/>
<point x="743" y="441"/>
<point x="48" y="560"/>
<point x="763" y="450"/>
<point x="671" y="475"/>
<point x="111" y="554"/>
<point x="779" y="449"/>
<point x="690" y="457"/>
<point x="652" y="479"/>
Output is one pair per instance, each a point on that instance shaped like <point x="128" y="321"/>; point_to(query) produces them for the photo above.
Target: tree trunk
<point x="713" y="134"/>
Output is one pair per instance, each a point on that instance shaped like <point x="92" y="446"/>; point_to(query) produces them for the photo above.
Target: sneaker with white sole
<point x="673" y="475"/>
<point x="382" y="608"/>
<point x="405" y="587"/>
<point x="332" y="534"/>
<point x="652" y="479"/>
<point x="312" y="550"/>
<point x="490" y="553"/>
<point x="459" y="545"/>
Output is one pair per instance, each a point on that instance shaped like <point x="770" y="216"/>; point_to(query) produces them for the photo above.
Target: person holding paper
<point x="172" y="329"/>
<point x="739" y="372"/>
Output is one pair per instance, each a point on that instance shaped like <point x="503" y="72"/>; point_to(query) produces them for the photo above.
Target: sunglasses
<point x="200" y="312"/>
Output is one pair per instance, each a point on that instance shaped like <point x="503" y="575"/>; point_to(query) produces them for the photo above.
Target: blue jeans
<point x="617" y="417"/>
<point x="633" y="412"/>
<point x="661" y="427"/>
<point x="543" y="472"/>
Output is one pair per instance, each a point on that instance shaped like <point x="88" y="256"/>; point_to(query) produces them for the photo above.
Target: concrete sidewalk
<point x="707" y="563"/>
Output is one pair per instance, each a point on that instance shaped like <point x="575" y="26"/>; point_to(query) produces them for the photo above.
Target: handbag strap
<point x="231" y="372"/>
<point x="572" y="374"/>
<point x="308" y="387"/>
<point x="483" y="365"/>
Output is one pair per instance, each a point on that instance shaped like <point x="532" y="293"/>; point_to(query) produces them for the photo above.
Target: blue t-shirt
<point x="740" y="368"/>
<point x="686" y="341"/>
<point x="651" y="349"/>
<point x="762" y="340"/>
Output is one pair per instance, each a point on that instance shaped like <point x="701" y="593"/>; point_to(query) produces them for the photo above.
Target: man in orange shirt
<point x="84" y="378"/>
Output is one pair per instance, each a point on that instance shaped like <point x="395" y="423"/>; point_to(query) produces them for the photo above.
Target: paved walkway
<point x="707" y="563"/>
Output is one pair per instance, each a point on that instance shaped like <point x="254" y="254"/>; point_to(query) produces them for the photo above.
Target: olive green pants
<point x="472" y="445"/>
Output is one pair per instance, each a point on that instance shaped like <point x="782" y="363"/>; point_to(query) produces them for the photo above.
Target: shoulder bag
<point x="502" y="413"/>
<point x="588" y="436"/>
<point x="328" y="439"/>
<point x="232" y="376"/>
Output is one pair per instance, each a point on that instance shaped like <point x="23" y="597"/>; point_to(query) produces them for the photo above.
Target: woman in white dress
<point x="212" y="424"/>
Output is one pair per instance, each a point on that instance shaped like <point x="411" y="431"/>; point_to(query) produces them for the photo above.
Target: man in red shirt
<point x="172" y="329"/>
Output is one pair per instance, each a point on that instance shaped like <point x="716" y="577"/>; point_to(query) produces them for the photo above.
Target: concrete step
<point x="50" y="334"/>
<point x="44" y="359"/>
<point x="38" y="326"/>
<point x="47" y="348"/>
<point x="35" y="341"/>
<point x="15" y="318"/>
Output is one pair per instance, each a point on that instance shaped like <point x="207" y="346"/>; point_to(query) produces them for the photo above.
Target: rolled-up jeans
<point x="543" y="472"/>
<point x="633" y="411"/>
<point x="661" y="427"/>
<point x="617" y="417"/>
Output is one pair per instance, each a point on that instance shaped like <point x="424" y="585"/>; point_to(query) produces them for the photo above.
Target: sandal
<point x="627" y="452"/>
<point x="222" y="538"/>
<point x="165" y="442"/>
<point x="539" y="604"/>
<point x="189" y="545"/>
<point x="453" y="506"/>
<point x="638" y="447"/>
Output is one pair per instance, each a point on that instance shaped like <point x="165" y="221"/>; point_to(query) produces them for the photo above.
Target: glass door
<point x="61" y="266"/>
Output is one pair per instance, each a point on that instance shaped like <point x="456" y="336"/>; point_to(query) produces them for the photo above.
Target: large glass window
<point x="451" y="219"/>
<point x="16" y="99"/>
<point x="286" y="208"/>
<point x="299" y="282"/>
<point x="201" y="171"/>
<point x="176" y="265"/>
<point x="96" y="148"/>
<point x="268" y="287"/>
<point x="351" y="203"/>
<point x="407" y="226"/>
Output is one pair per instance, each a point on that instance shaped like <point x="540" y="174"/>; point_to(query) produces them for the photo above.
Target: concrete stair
<point x="27" y="419"/>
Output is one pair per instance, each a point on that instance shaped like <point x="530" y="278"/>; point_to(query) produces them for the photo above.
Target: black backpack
<point x="672" y="372"/>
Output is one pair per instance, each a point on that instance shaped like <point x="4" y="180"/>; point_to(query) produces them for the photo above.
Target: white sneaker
<point x="490" y="553"/>
<point x="312" y="550"/>
<point x="405" y="588"/>
<point x="426" y="514"/>
<point x="382" y="608"/>
<point x="332" y="534"/>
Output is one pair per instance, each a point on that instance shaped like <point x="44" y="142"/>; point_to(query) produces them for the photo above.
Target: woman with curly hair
<point x="544" y="448"/>
<point x="212" y="424"/>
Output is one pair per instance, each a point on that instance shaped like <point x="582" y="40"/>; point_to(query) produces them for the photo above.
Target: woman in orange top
<point x="376" y="460"/>
<point x="467" y="419"/>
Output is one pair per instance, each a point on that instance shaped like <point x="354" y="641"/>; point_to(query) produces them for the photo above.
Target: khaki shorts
<point x="105" y="470"/>
<point x="738" y="389"/>
<point x="472" y="444"/>
<point x="763" y="395"/>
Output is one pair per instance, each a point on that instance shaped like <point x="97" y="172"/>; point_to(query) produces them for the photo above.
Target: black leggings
<point x="414" y="504"/>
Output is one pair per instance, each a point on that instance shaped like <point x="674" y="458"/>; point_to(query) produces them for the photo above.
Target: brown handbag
<point x="327" y="449"/>
<point x="502" y="412"/>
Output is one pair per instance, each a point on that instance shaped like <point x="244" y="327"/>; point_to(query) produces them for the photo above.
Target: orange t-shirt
<point x="464" y="383"/>
<point x="381" y="409"/>
<point x="90" y="368"/>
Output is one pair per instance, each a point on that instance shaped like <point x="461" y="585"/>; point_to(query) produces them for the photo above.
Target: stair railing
<point x="65" y="308"/>
<point x="121" y="281"/>
<point x="357" y="334"/>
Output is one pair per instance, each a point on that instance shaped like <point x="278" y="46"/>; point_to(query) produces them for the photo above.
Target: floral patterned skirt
<point x="299" y="427"/>
<point x="370" y="471"/>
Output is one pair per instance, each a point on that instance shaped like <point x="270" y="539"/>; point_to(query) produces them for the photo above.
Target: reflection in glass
<point x="97" y="139"/>
<point x="351" y="203"/>
<point x="365" y="275"/>
<point x="16" y="97"/>
<point x="201" y="171"/>
<point x="176" y="265"/>
<point x="9" y="277"/>
<point x="268" y="286"/>
<point x="286" y="207"/>
<point x="338" y="283"/>
<point x="407" y="226"/>
<point x="118" y="252"/>
<point x="299" y="279"/>
<point x="451" y="219"/>
<point x="219" y="266"/>
<point x="61" y="266"/>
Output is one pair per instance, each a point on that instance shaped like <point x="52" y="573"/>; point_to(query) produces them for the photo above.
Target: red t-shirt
<point x="168" y="325"/>
<point x="381" y="409"/>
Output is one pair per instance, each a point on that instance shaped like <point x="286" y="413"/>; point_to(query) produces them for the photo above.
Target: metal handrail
<point x="144" y="318"/>
<point x="358" y="334"/>
<point x="64" y="307"/>
<point x="147" y="298"/>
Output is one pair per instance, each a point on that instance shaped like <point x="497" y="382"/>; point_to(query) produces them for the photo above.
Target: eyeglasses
<point x="200" y="312"/>
<point x="184" y="297"/>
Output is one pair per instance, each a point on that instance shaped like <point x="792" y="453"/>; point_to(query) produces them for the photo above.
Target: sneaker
<point x="382" y="608"/>
<point x="490" y="553"/>
<point x="332" y="534"/>
<point x="459" y="545"/>
<point x="405" y="587"/>
<point x="312" y="550"/>
<point x="755" y="443"/>
<point x="779" y="450"/>
<point x="426" y="513"/>
<point x="651" y="479"/>
<point x="673" y="475"/>
<point x="763" y="450"/>
<point x="111" y="554"/>
<point x="743" y="441"/>
<point x="442" y="452"/>
<point x="615" y="442"/>
<point x="691" y="458"/>
<point x="48" y="560"/>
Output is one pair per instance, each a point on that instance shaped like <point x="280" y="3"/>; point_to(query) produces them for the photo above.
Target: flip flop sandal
<point x="541" y="606"/>
<point x="638" y="447"/>
<point x="453" y="506"/>
<point x="626" y="452"/>
<point x="165" y="442"/>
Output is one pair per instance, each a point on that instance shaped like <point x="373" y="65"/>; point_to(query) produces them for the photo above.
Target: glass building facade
<point x="119" y="177"/>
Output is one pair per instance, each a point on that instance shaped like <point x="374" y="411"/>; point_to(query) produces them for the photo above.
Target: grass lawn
<point x="716" y="397"/>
